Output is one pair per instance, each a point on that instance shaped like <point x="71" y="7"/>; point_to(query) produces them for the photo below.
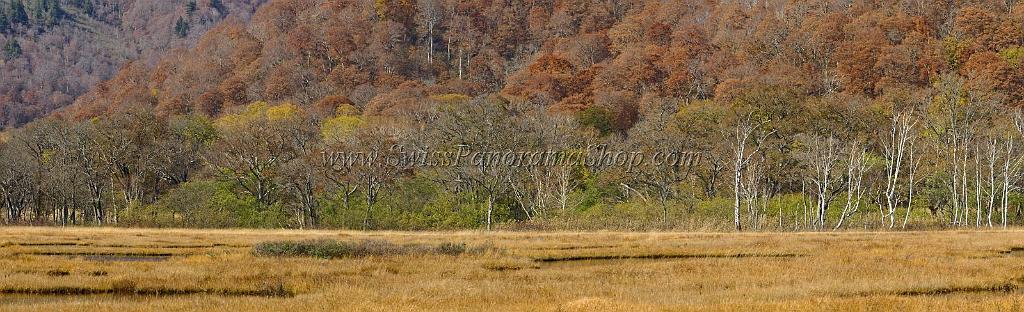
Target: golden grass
<point x="105" y="269"/>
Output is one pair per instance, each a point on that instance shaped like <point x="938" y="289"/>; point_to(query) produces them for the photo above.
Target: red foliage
<point x="570" y="55"/>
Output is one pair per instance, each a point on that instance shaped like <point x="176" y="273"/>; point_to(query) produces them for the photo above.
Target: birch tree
<point x="856" y="165"/>
<point x="823" y="156"/>
<point x="747" y="138"/>
<point x="896" y="148"/>
<point x="428" y="16"/>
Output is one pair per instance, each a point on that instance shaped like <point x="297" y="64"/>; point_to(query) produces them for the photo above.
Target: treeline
<point x="946" y="156"/>
<point x="806" y="115"/>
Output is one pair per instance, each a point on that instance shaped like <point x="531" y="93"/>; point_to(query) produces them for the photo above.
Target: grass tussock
<point x="332" y="249"/>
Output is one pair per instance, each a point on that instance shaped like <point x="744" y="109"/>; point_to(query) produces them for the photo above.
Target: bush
<point x="205" y="204"/>
<point x="331" y="249"/>
<point x="451" y="249"/>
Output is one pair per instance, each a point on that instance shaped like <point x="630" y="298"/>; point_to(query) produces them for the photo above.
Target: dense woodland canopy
<point x="805" y="114"/>
<point x="55" y="50"/>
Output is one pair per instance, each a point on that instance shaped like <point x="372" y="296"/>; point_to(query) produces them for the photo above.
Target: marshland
<point x="108" y="269"/>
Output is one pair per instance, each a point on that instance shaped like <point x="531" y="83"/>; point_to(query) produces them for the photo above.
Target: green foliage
<point x="445" y="211"/>
<point x="12" y="49"/>
<point x="248" y="213"/>
<point x="5" y="24"/>
<point x="340" y="128"/>
<point x="86" y="6"/>
<point x="190" y="7"/>
<point x="197" y="129"/>
<point x="181" y="27"/>
<point x="204" y="204"/>
<point x="413" y="204"/>
<point x="54" y="12"/>
<point x="335" y="214"/>
<point x="437" y="209"/>
<point x="597" y="118"/>
<point x="217" y="4"/>
<point x="188" y="205"/>
<point x="594" y="191"/>
<point x="952" y="50"/>
<point x="16" y="12"/>
<point x="1013" y="56"/>
<point x="38" y="11"/>
<point x="149" y="216"/>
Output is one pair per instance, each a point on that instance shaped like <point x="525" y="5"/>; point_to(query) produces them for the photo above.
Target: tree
<point x="18" y="187"/>
<point x="856" y="166"/>
<point x="428" y="16"/>
<point x="127" y="145"/>
<point x="179" y="150"/>
<point x="87" y="7"/>
<point x="5" y="23"/>
<point x="823" y="156"/>
<point x="897" y="146"/>
<point x="481" y="126"/>
<point x="181" y="27"/>
<point x="702" y="122"/>
<point x="669" y="145"/>
<point x="54" y="13"/>
<point x="16" y="13"/>
<point x="12" y="49"/>
<point x="219" y="6"/>
<point x="748" y="134"/>
<point x="955" y="115"/>
<point x="95" y="174"/>
<point x="545" y="81"/>
<point x="251" y="146"/>
<point x="301" y="175"/>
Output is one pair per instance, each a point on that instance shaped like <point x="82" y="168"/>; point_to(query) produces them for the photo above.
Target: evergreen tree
<point x="12" y="49"/>
<point x="88" y="8"/>
<point x="4" y="24"/>
<point x="190" y="7"/>
<point x="16" y="14"/>
<point x="38" y="11"/>
<point x="216" y="4"/>
<point x="181" y="27"/>
<point x="54" y="13"/>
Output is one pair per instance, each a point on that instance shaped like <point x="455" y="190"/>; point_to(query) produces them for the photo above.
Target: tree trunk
<point x="490" y="210"/>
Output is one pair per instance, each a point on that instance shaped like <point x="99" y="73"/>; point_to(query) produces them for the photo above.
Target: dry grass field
<point x="88" y="269"/>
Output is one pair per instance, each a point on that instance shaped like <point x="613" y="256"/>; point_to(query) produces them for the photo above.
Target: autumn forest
<point x="795" y="115"/>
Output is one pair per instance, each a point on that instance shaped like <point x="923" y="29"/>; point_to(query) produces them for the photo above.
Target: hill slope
<point x="53" y="51"/>
<point x="573" y="55"/>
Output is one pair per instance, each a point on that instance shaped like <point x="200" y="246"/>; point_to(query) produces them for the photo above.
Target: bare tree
<point x="428" y="16"/>
<point x="855" y="168"/>
<point x="895" y="146"/>
<point x="659" y="134"/>
<point x="748" y="136"/>
<point x="823" y="154"/>
<point x="914" y="162"/>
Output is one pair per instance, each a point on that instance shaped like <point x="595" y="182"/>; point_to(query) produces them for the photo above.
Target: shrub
<point x="451" y="249"/>
<point x="331" y="249"/>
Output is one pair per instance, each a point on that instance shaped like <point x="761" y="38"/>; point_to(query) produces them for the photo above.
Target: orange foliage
<point x="569" y="55"/>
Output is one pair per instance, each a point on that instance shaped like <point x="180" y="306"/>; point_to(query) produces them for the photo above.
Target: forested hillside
<point x="772" y="114"/>
<point x="382" y="56"/>
<point x="56" y="50"/>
